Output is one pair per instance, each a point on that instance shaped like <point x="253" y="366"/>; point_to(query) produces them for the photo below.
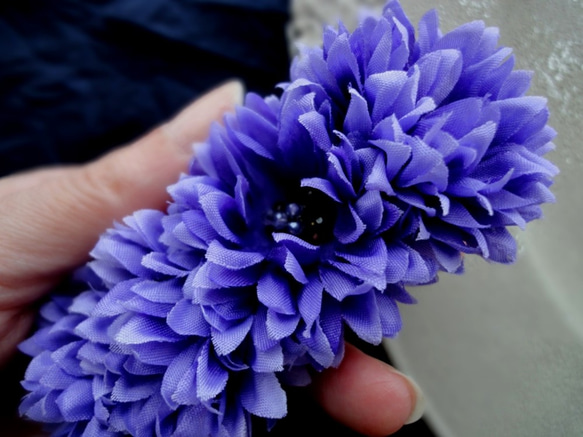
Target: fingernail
<point x="419" y="405"/>
<point x="191" y="124"/>
<point x="231" y="92"/>
<point x="237" y="89"/>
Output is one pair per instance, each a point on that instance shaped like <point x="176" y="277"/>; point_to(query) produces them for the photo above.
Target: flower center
<point x="309" y="215"/>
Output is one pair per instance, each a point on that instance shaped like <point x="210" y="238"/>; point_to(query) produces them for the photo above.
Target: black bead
<point x="308" y="214"/>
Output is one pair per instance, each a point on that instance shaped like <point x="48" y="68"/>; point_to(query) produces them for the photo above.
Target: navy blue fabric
<point x="78" y="77"/>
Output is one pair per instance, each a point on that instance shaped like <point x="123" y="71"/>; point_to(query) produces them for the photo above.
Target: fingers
<point x="55" y="216"/>
<point x="368" y="395"/>
<point x="14" y="325"/>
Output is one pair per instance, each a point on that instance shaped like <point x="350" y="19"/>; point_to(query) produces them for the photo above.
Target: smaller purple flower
<point x="459" y="144"/>
<point x="104" y="359"/>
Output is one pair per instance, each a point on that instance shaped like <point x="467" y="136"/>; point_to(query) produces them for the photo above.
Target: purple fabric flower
<point x="384" y="160"/>
<point x="454" y="142"/>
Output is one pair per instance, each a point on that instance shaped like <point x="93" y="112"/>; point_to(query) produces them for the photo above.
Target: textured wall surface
<point x="499" y="351"/>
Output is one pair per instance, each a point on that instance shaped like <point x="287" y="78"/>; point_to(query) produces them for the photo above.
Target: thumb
<point x="52" y="218"/>
<point x="368" y="395"/>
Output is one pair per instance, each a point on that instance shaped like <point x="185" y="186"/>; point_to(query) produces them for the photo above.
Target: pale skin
<point x="51" y="218"/>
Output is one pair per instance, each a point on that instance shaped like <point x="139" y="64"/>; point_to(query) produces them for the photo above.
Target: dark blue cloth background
<point x="78" y="77"/>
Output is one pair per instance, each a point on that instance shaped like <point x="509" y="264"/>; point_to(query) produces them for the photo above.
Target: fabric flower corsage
<point x="385" y="159"/>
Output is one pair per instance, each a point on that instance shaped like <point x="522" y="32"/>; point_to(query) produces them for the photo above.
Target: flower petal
<point x="232" y="259"/>
<point x="187" y="318"/>
<point x="211" y="376"/>
<point x="263" y="396"/>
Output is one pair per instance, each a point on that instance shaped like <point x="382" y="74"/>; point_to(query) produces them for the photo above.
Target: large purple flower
<point x="384" y="159"/>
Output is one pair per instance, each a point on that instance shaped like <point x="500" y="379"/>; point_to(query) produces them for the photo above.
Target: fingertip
<point x="417" y="395"/>
<point x="191" y="123"/>
<point x="137" y="176"/>
<point x="368" y="395"/>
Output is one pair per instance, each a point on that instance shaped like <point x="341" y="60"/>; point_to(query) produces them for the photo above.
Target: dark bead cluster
<point x="309" y="215"/>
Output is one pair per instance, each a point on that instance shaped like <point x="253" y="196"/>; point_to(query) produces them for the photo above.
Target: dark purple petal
<point x="439" y="73"/>
<point x="158" y="354"/>
<point x="200" y="231"/>
<point x="339" y="172"/>
<point x="383" y="47"/>
<point x="315" y="124"/>
<point x="389" y="314"/>
<point x="516" y="113"/>
<point x="211" y="376"/>
<point x="126" y="256"/>
<point x="228" y="340"/>
<point x="369" y="208"/>
<point x="85" y="303"/>
<point x="302" y="250"/>
<point x="140" y="329"/>
<point x="343" y="64"/>
<point x="323" y="185"/>
<point x="289" y="263"/>
<point x="176" y="371"/>
<point x="66" y="358"/>
<point x="232" y="259"/>
<point x="261" y="339"/>
<point x="159" y="263"/>
<point x="273" y="291"/>
<point x="429" y="32"/>
<point x="465" y="38"/>
<point x="515" y="85"/>
<point x="76" y="401"/>
<point x="251" y="144"/>
<point x="377" y="179"/>
<point x="136" y="367"/>
<point x="397" y="155"/>
<point x="133" y="388"/>
<point x="225" y="277"/>
<point x="221" y="212"/>
<point x="263" y="396"/>
<point x="138" y="304"/>
<point x="310" y="301"/>
<point x="382" y="90"/>
<point x="46" y="409"/>
<point x="160" y="292"/>
<point x="460" y="216"/>
<point x="268" y="360"/>
<point x="187" y="318"/>
<point x="426" y="165"/>
<point x="357" y="121"/>
<point x="95" y="329"/>
<point x="318" y="345"/>
<point x="448" y="257"/>
<point x="56" y="378"/>
<point x="337" y="284"/>
<point x="349" y="226"/>
<point x="398" y="263"/>
<point x="361" y="313"/>
<point x="501" y="245"/>
<point x="280" y="326"/>
<point x="418" y="271"/>
<point x="332" y="326"/>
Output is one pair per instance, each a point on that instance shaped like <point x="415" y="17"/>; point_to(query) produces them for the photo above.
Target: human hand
<point x="52" y="218"/>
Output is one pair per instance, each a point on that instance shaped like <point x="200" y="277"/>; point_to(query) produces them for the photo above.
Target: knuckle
<point x="101" y="184"/>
